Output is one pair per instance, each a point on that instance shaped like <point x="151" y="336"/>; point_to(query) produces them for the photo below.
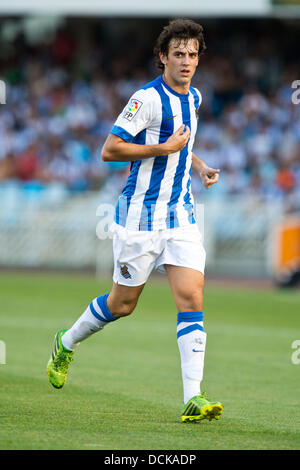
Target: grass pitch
<point x="124" y="387"/>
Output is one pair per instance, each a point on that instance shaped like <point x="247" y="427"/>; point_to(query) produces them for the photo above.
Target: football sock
<point x="191" y="340"/>
<point x="95" y="317"/>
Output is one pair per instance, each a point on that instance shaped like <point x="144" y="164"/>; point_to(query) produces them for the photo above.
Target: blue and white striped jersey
<point x="157" y="194"/>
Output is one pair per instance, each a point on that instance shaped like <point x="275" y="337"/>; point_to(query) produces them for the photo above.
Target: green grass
<point x="124" y="388"/>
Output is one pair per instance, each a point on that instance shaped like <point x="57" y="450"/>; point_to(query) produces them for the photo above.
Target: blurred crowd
<point x="62" y="103"/>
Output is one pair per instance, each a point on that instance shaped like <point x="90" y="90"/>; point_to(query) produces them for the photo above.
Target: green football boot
<point x="58" y="364"/>
<point x="198" y="408"/>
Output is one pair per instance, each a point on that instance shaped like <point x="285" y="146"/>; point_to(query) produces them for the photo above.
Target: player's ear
<point x="163" y="58"/>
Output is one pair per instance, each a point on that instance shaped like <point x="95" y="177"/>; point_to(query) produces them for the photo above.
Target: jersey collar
<point x="180" y="95"/>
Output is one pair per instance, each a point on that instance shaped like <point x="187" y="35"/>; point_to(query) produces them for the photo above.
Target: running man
<point x="154" y="226"/>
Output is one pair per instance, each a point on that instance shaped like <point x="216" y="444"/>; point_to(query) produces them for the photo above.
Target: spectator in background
<point x="8" y="167"/>
<point x="27" y="165"/>
<point x="62" y="105"/>
<point x="285" y="179"/>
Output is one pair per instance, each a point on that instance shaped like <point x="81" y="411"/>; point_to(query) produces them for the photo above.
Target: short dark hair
<point x="181" y="29"/>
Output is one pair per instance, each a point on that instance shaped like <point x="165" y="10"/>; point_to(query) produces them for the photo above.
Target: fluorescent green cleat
<point x="58" y="364"/>
<point x="199" y="407"/>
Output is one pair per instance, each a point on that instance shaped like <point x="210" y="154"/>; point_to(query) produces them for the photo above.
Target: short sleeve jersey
<point x="157" y="194"/>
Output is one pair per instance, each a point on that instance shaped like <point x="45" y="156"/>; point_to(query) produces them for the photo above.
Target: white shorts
<point x="137" y="253"/>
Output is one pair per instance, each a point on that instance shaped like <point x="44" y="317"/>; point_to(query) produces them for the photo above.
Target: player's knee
<point x="196" y="296"/>
<point x="124" y="308"/>
<point x="196" y="299"/>
<point x="191" y="300"/>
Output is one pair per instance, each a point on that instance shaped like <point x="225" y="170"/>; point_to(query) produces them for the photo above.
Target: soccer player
<point x="154" y="223"/>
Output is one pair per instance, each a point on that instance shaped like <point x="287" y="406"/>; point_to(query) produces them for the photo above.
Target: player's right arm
<point x="121" y="144"/>
<point x="115" y="149"/>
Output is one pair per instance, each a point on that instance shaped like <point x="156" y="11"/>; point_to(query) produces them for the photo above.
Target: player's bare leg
<point x="187" y="288"/>
<point x="120" y="302"/>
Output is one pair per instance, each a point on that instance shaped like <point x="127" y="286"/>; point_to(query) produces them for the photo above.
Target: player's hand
<point x="209" y="176"/>
<point x="178" y="140"/>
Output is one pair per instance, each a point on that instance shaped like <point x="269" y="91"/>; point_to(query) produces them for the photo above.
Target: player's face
<point x="181" y="62"/>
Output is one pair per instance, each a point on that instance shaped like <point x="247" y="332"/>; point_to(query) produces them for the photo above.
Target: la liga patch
<point x="132" y="108"/>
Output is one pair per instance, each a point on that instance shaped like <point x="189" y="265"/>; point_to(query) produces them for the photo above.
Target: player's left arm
<point x="209" y="176"/>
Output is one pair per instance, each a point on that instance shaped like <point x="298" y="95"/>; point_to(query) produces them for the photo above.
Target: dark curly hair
<point x="181" y="29"/>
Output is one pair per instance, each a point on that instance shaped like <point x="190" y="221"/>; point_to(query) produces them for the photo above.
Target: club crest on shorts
<point x="124" y="271"/>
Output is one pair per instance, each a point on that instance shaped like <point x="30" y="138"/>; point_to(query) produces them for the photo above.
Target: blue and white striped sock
<point x="191" y="339"/>
<point x="95" y="317"/>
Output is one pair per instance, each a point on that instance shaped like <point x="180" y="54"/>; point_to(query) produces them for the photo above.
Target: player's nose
<point x="186" y="61"/>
